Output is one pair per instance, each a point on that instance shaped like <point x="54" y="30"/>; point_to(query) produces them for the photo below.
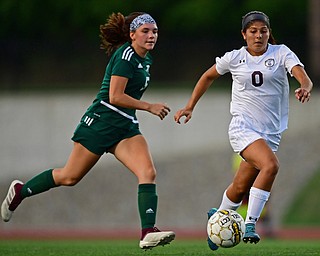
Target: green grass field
<point x="130" y="247"/>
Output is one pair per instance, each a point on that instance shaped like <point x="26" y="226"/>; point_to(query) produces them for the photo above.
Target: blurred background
<point x="56" y="43"/>
<point x="51" y="68"/>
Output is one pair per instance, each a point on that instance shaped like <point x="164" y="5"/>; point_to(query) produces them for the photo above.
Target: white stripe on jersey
<point x="127" y="53"/>
<point x="119" y="111"/>
<point x="88" y="120"/>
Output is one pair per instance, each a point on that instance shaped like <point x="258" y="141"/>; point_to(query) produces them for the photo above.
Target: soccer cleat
<point x="250" y="234"/>
<point x="211" y="244"/>
<point x="12" y="200"/>
<point x="153" y="237"/>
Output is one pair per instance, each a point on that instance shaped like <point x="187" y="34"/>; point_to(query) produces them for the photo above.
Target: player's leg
<point x="232" y="197"/>
<point x="240" y="138"/>
<point x="79" y="163"/>
<point x="240" y="186"/>
<point x="261" y="157"/>
<point x="134" y="153"/>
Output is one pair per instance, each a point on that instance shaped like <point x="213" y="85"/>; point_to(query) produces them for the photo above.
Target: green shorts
<point x="97" y="135"/>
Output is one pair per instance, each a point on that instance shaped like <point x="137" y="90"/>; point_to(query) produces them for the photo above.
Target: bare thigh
<point x="261" y="157"/>
<point x="135" y="155"/>
<point x="80" y="162"/>
<point x="259" y="170"/>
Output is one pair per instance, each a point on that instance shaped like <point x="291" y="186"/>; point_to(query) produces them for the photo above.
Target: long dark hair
<point x="115" y="32"/>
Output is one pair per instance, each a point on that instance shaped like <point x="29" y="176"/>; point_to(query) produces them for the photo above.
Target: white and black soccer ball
<point x="226" y="228"/>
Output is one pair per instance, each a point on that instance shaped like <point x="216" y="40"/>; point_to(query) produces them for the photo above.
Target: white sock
<point x="257" y="200"/>
<point x="226" y="203"/>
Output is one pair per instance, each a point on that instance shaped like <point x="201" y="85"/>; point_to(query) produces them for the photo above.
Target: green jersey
<point x="127" y="63"/>
<point x="103" y="125"/>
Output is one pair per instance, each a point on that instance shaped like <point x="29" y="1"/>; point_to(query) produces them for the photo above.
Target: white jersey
<point x="260" y="87"/>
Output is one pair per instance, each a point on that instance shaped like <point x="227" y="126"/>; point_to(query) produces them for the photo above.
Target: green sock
<point x="147" y="203"/>
<point x="38" y="184"/>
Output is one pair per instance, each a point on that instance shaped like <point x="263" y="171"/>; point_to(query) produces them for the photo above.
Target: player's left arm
<point x="303" y="93"/>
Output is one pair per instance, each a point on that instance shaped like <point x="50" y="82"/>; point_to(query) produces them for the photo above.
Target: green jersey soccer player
<point x="110" y="125"/>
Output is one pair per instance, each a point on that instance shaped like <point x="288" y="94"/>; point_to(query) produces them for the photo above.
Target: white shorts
<point x="241" y="135"/>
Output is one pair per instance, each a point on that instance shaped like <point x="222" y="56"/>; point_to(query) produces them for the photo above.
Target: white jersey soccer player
<point x="259" y="108"/>
<point x="260" y="86"/>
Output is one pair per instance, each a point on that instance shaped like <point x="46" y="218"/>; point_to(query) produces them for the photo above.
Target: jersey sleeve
<point x="291" y="59"/>
<point x="122" y="67"/>
<point x="223" y="63"/>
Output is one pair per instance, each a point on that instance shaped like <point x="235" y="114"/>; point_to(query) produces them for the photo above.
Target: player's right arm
<point x="118" y="97"/>
<point x="200" y="88"/>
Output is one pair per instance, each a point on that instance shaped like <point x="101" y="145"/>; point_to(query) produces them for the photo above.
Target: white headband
<point x="141" y="20"/>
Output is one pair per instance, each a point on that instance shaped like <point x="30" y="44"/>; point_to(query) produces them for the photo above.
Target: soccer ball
<point x="226" y="228"/>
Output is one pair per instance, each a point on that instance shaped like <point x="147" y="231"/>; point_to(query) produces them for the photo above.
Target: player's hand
<point x="160" y="109"/>
<point x="183" y="112"/>
<point x="302" y="95"/>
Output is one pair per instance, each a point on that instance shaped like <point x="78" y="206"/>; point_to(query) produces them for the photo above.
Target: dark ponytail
<point x="115" y="32"/>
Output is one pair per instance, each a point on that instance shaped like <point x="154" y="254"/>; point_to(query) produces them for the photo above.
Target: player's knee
<point x="147" y="175"/>
<point x="151" y="174"/>
<point x="272" y="168"/>
<point x="68" y="181"/>
<point x="62" y="177"/>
